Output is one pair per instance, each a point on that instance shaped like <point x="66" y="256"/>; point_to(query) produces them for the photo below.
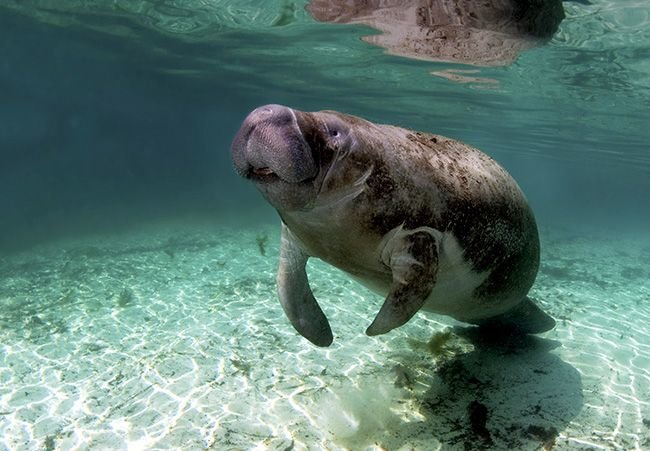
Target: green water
<point x="568" y="119"/>
<point x="138" y="309"/>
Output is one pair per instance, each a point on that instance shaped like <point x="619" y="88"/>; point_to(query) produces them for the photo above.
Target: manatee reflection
<point x="482" y="33"/>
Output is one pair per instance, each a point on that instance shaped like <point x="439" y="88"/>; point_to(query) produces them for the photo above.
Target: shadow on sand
<point x="507" y="394"/>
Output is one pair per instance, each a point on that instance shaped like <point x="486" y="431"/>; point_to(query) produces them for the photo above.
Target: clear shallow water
<point x="171" y="336"/>
<point x="117" y="117"/>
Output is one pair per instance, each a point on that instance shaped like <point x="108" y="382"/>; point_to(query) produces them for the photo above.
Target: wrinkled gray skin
<point x="424" y="220"/>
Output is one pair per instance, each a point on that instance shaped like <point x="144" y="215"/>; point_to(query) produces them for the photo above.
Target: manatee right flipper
<point x="525" y="317"/>
<point x="412" y="256"/>
<point x="296" y="297"/>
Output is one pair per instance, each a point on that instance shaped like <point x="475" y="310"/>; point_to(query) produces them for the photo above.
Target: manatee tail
<point x="525" y="317"/>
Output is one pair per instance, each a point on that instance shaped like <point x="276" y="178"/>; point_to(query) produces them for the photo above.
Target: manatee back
<point x="429" y="180"/>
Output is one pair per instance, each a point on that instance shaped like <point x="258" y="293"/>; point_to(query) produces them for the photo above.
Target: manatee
<point x="481" y="33"/>
<point x="426" y="221"/>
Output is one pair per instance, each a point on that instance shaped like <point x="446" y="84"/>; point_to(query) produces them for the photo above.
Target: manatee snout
<point x="270" y="149"/>
<point x="271" y="145"/>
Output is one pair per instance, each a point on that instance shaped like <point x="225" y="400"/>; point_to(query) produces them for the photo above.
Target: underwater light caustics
<point x="426" y="221"/>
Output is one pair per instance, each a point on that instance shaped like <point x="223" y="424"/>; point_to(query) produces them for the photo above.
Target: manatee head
<point x="288" y="153"/>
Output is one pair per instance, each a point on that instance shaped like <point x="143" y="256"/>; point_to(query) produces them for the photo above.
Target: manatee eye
<point x="336" y="133"/>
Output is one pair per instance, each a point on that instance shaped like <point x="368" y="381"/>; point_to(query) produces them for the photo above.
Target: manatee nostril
<point x="268" y="109"/>
<point x="272" y="110"/>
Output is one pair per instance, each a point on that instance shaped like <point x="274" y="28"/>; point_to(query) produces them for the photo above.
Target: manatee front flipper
<point x="296" y="297"/>
<point x="525" y="317"/>
<point x="412" y="257"/>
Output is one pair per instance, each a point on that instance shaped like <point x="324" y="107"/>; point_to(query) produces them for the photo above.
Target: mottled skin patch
<point x="479" y="238"/>
<point x="487" y="212"/>
<point x="419" y="179"/>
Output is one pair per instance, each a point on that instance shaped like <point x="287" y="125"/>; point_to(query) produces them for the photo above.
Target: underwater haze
<point x="138" y="306"/>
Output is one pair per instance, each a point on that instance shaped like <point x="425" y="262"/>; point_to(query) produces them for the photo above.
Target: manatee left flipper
<point x="296" y="297"/>
<point x="412" y="256"/>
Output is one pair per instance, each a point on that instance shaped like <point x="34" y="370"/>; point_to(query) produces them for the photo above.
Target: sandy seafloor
<point x="171" y="337"/>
